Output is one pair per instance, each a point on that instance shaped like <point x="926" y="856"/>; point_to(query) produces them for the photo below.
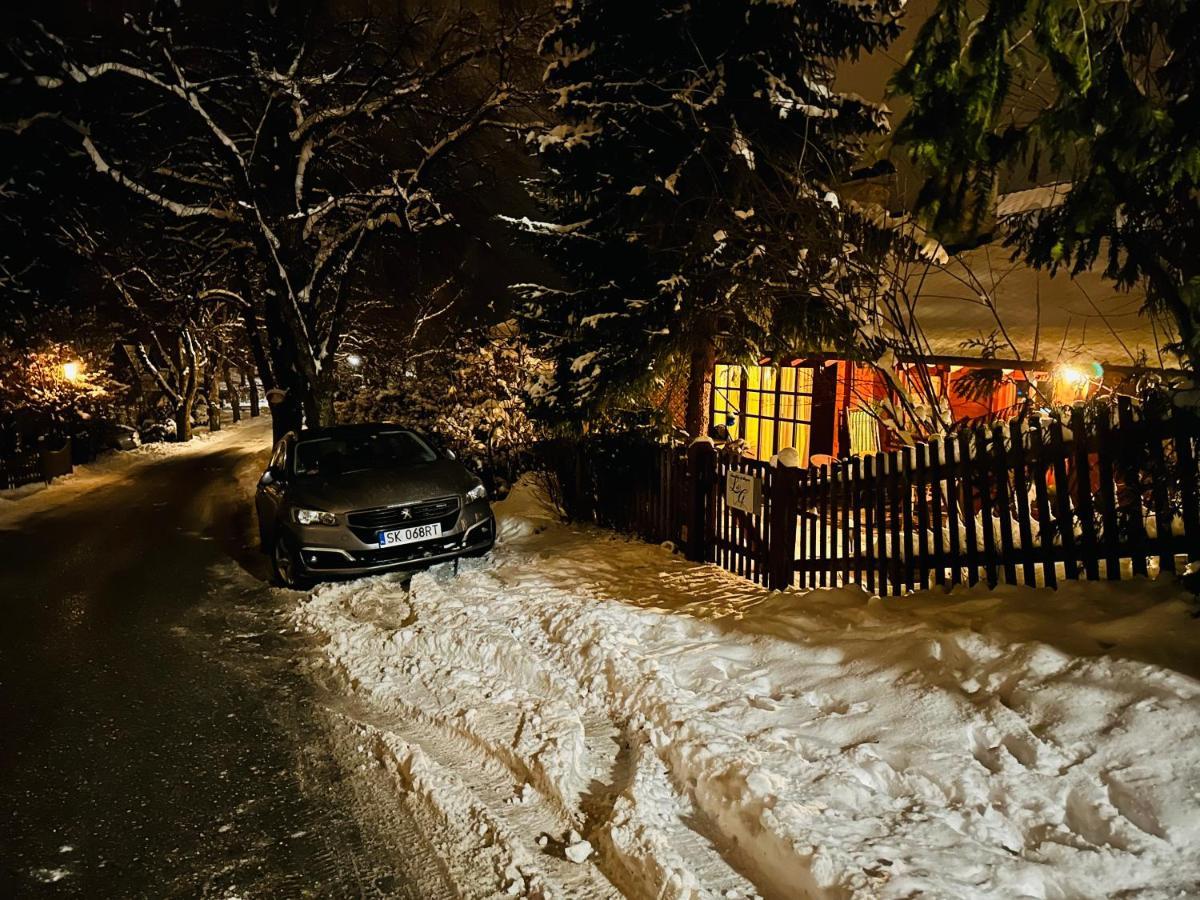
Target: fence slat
<point x="982" y="465"/>
<point x="1164" y="516"/>
<point x="1185" y="429"/>
<point x="1089" y="549"/>
<point x="881" y="522"/>
<point x="854" y="495"/>
<point x="1037" y="446"/>
<point x="895" y="571"/>
<point x="950" y="466"/>
<point x="920" y="477"/>
<point x="1062" y="500"/>
<point x="1129" y="500"/>
<point x="1003" y="504"/>
<point x="1108" y="495"/>
<point x="1016" y="439"/>
<point x="936" y="468"/>
<point x="905" y="455"/>
<point x="847" y="554"/>
<point x="869" y="495"/>
<point x="822" y="523"/>
<point x="812" y="512"/>
<point x="967" y="492"/>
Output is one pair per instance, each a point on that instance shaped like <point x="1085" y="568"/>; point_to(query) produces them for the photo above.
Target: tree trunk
<point x="248" y="380"/>
<point x="183" y="422"/>
<point x="212" y="397"/>
<point x="189" y="384"/>
<point x="700" y="382"/>
<point x="318" y="403"/>
<point x="287" y="415"/>
<point x="235" y="399"/>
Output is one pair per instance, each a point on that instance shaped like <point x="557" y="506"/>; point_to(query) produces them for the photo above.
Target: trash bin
<point x="55" y="461"/>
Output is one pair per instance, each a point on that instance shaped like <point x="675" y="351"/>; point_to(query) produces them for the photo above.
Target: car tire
<point x="285" y="565"/>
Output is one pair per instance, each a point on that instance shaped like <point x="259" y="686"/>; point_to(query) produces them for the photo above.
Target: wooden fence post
<point x="1185" y="424"/>
<point x="702" y="460"/>
<point x="785" y="489"/>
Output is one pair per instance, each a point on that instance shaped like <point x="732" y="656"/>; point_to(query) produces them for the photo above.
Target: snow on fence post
<point x="781" y="552"/>
<point x="702" y="463"/>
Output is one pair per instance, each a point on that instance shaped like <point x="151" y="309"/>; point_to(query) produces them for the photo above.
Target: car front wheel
<point x="286" y="566"/>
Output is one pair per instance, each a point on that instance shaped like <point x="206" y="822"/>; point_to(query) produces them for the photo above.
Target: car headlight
<point x="315" y="517"/>
<point x="479" y="492"/>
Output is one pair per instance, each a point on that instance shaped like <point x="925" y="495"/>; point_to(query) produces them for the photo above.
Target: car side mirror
<point x="271" y="476"/>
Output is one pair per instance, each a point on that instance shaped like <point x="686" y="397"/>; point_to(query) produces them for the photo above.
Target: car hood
<point x="381" y="487"/>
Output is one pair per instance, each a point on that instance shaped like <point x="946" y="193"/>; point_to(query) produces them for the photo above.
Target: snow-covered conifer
<point x="690" y="188"/>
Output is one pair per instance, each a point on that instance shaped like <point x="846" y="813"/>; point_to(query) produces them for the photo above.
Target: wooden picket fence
<point x="1025" y="502"/>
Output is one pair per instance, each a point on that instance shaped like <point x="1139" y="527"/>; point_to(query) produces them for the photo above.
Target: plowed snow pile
<point x="578" y="712"/>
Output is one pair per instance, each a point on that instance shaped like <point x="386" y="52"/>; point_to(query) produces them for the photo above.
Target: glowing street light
<point x="71" y="371"/>
<point x="354" y="360"/>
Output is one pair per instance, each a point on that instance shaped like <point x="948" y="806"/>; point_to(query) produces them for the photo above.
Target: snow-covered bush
<point x="50" y="391"/>
<point x="469" y="396"/>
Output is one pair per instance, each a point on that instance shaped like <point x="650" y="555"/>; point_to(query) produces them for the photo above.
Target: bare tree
<point x="301" y="134"/>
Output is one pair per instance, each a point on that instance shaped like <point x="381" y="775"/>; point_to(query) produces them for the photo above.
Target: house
<point x="978" y="337"/>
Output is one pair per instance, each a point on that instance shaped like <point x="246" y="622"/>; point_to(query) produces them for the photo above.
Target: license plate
<point x="409" y="535"/>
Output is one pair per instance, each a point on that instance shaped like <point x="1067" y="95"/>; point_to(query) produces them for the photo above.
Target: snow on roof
<point x="1034" y="316"/>
<point x="1032" y="199"/>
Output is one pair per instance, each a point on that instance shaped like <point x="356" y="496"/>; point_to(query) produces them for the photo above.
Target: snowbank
<point x="710" y="738"/>
<point x="115" y="467"/>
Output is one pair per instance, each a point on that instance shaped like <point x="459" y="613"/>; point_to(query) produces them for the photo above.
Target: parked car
<point x="153" y="432"/>
<point x="355" y="499"/>
<point x="118" y="437"/>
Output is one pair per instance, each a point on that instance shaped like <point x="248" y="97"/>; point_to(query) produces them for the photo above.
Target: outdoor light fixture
<point x="1074" y="376"/>
<point x="71" y="371"/>
<point x="354" y="360"/>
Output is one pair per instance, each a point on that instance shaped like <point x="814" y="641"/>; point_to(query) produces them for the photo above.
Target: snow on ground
<point x="115" y="467"/>
<point x="579" y="712"/>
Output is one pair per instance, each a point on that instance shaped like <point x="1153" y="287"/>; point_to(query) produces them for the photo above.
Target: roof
<point x="983" y="291"/>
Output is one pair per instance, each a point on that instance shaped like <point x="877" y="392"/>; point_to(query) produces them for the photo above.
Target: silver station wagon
<point x="356" y="499"/>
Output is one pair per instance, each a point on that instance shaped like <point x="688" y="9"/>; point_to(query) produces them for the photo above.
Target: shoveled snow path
<point x="710" y="738"/>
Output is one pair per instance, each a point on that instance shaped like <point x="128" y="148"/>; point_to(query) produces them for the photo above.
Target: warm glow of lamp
<point x="71" y="371"/>
<point x="354" y="360"/>
<point x="1074" y="376"/>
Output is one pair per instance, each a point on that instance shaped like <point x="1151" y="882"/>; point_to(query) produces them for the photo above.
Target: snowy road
<point x="161" y="732"/>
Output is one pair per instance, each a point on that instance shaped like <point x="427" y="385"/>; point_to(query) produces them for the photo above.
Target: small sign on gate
<point x="744" y="492"/>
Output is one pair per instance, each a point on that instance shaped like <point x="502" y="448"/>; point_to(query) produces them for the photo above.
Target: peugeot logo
<point x="406" y="513"/>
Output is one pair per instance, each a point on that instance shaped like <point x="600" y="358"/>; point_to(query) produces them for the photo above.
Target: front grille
<point x="367" y="523"/>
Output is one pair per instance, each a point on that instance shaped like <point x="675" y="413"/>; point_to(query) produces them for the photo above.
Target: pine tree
<point x="689" y="184"/>
<point x="1103" y="98"/>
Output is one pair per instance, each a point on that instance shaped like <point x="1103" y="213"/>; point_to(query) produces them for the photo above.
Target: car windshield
<point x="354" y="453"/>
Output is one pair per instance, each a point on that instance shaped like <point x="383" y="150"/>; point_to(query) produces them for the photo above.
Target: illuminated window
<point x="768" y="407"/>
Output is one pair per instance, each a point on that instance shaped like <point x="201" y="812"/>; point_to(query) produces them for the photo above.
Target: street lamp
<point x="71" y="371"/>
<point x="354" y="360"/>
